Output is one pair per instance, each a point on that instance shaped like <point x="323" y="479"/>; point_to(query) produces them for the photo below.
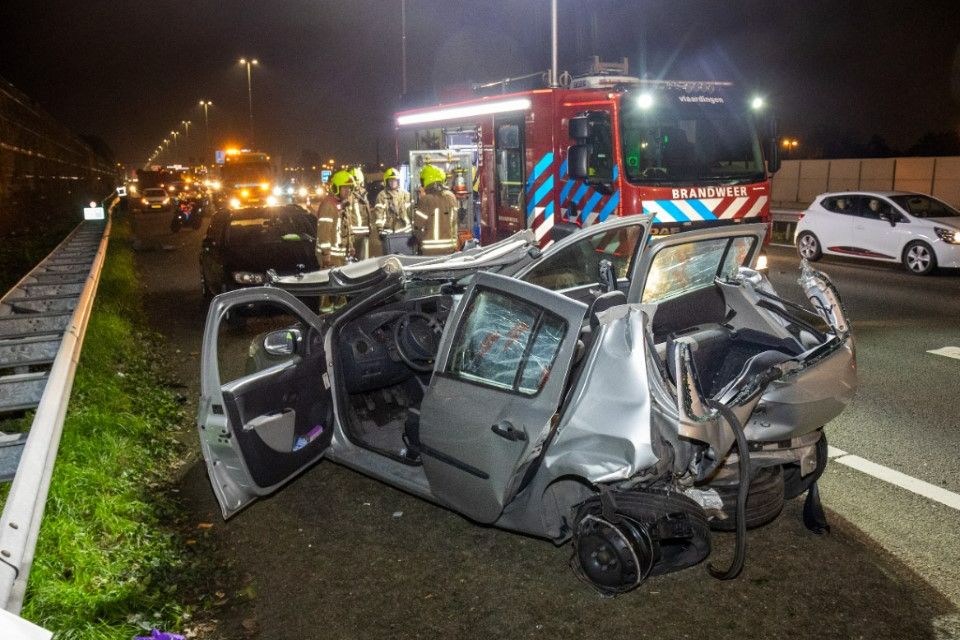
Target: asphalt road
<point x="339" y="555"/>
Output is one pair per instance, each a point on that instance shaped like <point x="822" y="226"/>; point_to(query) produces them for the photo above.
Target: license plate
<point x="155" y="206"/>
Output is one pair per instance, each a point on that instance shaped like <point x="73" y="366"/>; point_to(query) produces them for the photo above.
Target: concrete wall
<point x="799" y="181"/>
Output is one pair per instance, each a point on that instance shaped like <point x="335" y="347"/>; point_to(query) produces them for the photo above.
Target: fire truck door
<point x="509" y="177"/>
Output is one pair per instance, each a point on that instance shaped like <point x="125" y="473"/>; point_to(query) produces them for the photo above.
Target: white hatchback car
<point x="891" y="226"/>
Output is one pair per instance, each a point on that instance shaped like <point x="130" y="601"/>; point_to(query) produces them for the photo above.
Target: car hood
<point x="952" y="222"/>
<point x="357" y="276"/>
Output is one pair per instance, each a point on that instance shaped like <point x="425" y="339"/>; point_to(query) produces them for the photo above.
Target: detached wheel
<point x="654" y="532"/>
<point x="919" y="259"/>
<point x="808" y="246"/>
<point x="764" y="502"/>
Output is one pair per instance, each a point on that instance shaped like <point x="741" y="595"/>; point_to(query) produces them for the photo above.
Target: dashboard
<point x="377" y="350"/>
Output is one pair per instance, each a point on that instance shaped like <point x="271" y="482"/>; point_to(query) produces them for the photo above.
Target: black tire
<point x="647" y="506"/>
<point x="793" y="483"/>
<point x="918" y="258"/>
<point x="808" y="246"/>
<point x="764" y="502"/>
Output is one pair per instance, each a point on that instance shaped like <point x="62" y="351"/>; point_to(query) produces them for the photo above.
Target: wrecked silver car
<point x="622" y="392"/>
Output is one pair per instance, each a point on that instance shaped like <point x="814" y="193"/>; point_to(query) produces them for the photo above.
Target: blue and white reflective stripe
<point x="539" y="168"/>
<point x="542" y="191"/>
<point x="579" y="193"/>
<point x="566" y="190"/>
<point x="610" y="206"/>
<point x="585" y="216"/>
<point x="701" y="209"/>
<point x="563" y="169"/>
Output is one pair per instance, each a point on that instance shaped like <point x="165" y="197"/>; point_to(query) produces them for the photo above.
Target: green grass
<point x="109" y="562"/>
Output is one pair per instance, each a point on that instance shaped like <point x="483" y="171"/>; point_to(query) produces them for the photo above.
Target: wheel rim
<point x="918" y="258"/>
<point x="808" y="246"/>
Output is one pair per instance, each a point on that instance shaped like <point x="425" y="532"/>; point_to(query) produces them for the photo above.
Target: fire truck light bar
<point x="455" y="113"/>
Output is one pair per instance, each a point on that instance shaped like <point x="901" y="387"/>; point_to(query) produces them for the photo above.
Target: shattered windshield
<point x="687" y="267"/>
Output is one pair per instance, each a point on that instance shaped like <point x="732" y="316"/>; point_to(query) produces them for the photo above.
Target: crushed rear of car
<point x="675" y="395"/>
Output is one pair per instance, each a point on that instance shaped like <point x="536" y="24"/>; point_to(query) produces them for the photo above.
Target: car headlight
<point x="303" y="192"/>
<point x="245" y="194"/>
<point x="762" y="262"/>
<point x="249" y="277"/>
<point x="950" y="236"/>
<point x="166" y="201"/>
<point x="144" y="201"/>
<point x="289" y="191"/>
<point x="234" y="203"/>
<point x="277" y="191"/>
<point x="271" y="201"/>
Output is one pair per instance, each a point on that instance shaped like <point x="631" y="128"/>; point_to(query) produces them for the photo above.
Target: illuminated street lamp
<point x="186" y="136"/>
<point x="206" y="104"/>
<point x="250" y="64"/>
<point x="790" y="145"/>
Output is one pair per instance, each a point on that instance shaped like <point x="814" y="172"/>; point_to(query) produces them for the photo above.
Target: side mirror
<point x="578" y="161"/>
<point x="579" y="128"/>
<point x="889" y="217"/>
<point x="607" y="276"/>
<point x="283" y="342"/>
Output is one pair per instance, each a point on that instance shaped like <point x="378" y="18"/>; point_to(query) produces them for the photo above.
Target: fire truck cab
<point x="552" y="159"/>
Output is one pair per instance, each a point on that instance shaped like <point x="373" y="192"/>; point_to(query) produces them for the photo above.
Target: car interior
<point x="385" y="357"/>
<point x="730" y="339"/>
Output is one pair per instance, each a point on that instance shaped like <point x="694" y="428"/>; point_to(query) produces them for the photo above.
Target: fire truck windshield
<point x="246" y="173"/>
<point x="692" y="145"/>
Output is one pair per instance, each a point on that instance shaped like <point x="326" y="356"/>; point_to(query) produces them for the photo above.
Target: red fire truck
<point x="607" y="145"/>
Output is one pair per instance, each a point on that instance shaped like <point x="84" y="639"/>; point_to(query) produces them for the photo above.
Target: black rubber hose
<point x="740" y="553"/>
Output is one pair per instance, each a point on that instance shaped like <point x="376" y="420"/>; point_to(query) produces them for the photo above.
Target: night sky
<point x="329" y="77"/>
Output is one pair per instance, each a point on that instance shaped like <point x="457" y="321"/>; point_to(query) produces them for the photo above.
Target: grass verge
<point x="109" y="562"/>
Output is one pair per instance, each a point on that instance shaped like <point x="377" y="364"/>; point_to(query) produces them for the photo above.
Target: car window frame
<point x="540" y="314"/>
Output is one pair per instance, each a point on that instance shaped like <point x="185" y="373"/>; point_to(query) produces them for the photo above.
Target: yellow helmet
<point x="431" y="174"/>
<point x="340" y="179"/>
<point x="390" y="174"/>
<point x="358" y="177"/>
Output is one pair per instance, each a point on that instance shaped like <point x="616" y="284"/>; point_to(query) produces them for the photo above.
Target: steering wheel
<point x="417" y="338"/>
<point x="654" y="173"/>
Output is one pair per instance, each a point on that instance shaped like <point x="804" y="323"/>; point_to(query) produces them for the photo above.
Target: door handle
<point x="505" y="429"/>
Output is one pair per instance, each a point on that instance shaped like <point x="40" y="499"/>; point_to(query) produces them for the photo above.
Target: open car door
<point x="672" y="266"/>
<point x="265" y="414"/>
<point x="500" y="376"/>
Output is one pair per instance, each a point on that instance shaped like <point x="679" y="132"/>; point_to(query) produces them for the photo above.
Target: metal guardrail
<point x="43" y="320"/>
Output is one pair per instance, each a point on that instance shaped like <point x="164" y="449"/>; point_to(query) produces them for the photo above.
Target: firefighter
<point x="334" y="238"/>
<point x="393" y="205"/>
<point x="436" y="214"/>
<point x="363" y="221"/>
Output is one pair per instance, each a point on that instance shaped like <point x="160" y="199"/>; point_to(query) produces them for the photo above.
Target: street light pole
<point x="176" y="143"/>
<point x="206" y="104"/>
<point x="403" y="47"/>
<point x="186" y="137"/>
<point x="250" y="64"/>
<point x="553" y="43"/>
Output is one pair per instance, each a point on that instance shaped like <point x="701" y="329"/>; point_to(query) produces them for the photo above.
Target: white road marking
<point x="891" y="476"/>
<point x="950" y="352"/>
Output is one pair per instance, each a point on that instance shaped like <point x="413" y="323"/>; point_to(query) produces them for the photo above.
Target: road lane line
<point x="902" y="480"/>
<point x="949" y="352"/>
<point x="833" y="452"/>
